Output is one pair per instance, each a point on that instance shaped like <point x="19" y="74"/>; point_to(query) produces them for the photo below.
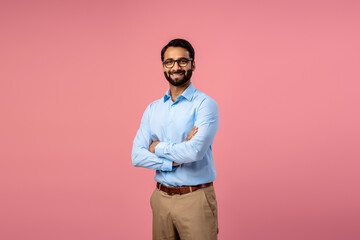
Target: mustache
<point x="179" y="71"/>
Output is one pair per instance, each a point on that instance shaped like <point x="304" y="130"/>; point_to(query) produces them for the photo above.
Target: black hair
<point x="179" y="43"/>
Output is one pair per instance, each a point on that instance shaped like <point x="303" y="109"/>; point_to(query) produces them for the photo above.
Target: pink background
<point x="76" y="76"/>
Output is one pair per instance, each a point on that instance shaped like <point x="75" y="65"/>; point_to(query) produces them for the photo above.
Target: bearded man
<point x="175" y="139"/>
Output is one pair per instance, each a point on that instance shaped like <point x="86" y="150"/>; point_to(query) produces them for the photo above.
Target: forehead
<point x="176" y="53"/>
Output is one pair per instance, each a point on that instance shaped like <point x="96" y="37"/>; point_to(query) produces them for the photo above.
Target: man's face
<point x="178" y="75"/>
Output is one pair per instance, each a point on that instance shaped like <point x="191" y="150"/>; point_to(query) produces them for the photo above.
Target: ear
<point x="193" y="66"/>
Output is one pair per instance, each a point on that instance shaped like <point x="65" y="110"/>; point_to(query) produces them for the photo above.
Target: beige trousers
<point x="190" y="216"/>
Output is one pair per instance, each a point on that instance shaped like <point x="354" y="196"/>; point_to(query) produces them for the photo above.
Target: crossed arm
<point x="207" y="123"/>
<point x="189" y="137"/>
<point x="164" y="155"/>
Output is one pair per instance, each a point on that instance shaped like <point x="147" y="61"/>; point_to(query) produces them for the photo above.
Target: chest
<point x="173" y="121"/>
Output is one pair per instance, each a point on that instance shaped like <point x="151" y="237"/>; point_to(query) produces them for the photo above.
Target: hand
<point x="192" y="133"/>
<point x="152" y="146"/>
<point x="189" y="137"/>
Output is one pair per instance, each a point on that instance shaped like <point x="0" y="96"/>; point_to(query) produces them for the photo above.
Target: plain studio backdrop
<point x="76" y="77"/>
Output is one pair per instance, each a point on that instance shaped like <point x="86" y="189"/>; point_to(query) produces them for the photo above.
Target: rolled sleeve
<point x="160" y="149"/>
<point x="167" y="165"/>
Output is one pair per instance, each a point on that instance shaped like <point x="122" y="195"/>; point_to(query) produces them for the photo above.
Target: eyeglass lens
<point x="171" y="62"/>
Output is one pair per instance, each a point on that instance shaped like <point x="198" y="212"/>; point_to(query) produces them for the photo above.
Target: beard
<point x="181" y="81"/>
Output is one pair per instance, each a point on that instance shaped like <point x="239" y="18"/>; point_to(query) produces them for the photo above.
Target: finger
<point x="194" y="130"/>
<point x="192" y="133"/>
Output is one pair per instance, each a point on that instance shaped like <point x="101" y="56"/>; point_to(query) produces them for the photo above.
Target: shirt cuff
<point x="167" y="165"/>
<point x="159" y="149"/>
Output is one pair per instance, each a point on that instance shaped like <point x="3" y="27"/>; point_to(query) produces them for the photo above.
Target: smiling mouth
<point x="177" y="74"/>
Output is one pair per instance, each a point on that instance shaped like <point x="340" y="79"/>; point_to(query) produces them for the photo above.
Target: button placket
<point x="170" y="121"/>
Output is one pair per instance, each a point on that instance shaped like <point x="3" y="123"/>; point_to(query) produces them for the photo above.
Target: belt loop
<point x="190" y="188"/>
<point x="160" y="186"/>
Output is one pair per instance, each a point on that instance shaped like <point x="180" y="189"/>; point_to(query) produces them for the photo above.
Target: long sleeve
<point x="207" y="122"/>
<point x="141" y="156"/>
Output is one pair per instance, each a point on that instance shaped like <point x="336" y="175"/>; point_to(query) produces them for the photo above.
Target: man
<point x="175" y="138"/>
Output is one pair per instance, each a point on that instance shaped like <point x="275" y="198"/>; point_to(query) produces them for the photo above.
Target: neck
<point x="176" y="91"/>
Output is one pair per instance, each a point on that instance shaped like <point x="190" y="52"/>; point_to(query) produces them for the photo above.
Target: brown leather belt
<point x="181" y="190"/>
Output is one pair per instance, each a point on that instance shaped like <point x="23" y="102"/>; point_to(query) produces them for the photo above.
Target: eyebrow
<point x="176" y="59"/>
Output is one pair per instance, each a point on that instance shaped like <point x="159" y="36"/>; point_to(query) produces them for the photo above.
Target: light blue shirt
<point x="170" y="123"/>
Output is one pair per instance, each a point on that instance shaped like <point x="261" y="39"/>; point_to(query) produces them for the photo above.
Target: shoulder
<point x="150" y="109"/>
<point x="201" y="98"/>
<point x="205" y="102"/>
<point x="153" y="105"/>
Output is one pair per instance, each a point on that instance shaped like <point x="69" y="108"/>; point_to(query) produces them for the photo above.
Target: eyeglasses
<point x="182" y="62"/>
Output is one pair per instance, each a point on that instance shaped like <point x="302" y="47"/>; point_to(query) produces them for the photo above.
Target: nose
<point x="176" y="66"/>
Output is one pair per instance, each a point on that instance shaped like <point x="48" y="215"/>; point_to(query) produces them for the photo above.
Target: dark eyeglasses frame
<point x="177" y="61"/>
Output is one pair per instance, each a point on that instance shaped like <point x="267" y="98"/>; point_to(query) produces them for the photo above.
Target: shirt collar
<point x="187" y="94"/>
